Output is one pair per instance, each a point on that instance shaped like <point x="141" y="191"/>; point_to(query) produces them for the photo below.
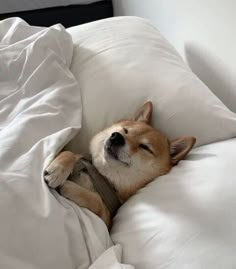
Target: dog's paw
<point x="56" y="174"/>
<point x="69" y="190"/>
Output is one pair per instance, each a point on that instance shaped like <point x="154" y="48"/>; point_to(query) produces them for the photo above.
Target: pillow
<point x="122" y="62"/>
<point x="185" y="219"/>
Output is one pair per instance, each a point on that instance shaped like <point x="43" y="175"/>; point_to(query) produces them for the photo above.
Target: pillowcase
<point x="185" y="219"/>
<point x="121" y="63"/>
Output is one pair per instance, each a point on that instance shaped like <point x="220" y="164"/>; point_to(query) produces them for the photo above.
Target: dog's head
<point x="131" y="153"/>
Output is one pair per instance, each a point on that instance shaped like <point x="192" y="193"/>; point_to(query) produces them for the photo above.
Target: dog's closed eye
<point x="145" y="147"/>
<point x="125" y="130"/>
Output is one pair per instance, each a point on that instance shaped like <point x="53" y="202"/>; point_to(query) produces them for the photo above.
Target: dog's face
<point x="131" y="153"/>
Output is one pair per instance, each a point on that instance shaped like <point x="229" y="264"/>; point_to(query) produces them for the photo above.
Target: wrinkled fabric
<point x="40" y="111"/>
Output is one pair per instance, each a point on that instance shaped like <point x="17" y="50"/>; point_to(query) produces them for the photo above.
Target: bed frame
<point x="68" y="15"/>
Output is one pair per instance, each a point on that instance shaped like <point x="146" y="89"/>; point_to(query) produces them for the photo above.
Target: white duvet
<point x="40" y="111"/>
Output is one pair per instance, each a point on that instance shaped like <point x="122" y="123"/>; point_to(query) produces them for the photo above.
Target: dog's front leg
<point x="60" y="168"/>
<point x="86" y="198"/>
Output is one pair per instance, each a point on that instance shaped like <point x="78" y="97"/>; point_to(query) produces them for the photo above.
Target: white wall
<point x="204" y="33"/>
<point x="211" y="23"/>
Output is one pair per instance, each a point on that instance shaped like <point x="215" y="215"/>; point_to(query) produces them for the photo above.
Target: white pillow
<point x="185" y="219"/>
<point x="122" y="62"/>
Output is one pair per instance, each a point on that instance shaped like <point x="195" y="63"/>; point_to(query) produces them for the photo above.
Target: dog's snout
<point x="117" y="139"/>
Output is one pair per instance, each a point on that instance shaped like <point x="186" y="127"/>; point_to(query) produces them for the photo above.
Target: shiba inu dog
<point x="128" y="155"/>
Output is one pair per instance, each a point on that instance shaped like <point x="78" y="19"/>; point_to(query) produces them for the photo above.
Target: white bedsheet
<point x="40" y="111"/>
<point x="186" y="219"/>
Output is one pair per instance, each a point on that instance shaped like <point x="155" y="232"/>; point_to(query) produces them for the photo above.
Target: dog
<point x="125" y="157"/>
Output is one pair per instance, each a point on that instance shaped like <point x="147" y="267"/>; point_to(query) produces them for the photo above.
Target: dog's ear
<point x="180" y="147"/>
<point x="144" y="113"/>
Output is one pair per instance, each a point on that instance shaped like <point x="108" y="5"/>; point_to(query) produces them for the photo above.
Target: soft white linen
<point x="185" y="219"/>
<point x="40" y="111"/>
<point x="124" y="61"/>
<point x="25" y="5"/>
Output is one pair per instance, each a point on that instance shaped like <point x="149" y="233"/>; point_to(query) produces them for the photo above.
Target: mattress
<point x="24" y="5"/>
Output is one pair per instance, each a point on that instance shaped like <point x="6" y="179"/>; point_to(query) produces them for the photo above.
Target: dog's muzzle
<point x="114" y="142"/>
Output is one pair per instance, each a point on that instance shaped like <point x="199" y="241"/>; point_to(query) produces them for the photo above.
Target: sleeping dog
<point x="124" y="158"/>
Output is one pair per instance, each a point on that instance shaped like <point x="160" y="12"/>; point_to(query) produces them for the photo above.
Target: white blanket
<point x="40" y="111"/>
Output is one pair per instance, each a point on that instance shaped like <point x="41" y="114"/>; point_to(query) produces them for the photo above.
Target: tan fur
<point x="86" y="198"/>
<point x="146" y="155"/>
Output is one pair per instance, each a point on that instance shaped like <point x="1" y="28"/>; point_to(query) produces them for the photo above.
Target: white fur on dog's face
<point x="144" y="156"/>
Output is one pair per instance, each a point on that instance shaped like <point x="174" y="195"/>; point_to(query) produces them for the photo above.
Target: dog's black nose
<point x="117" y="139"/>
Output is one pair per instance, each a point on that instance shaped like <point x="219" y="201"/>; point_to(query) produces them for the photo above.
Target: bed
<point x="62" y="86"/>
<point x="47" y="13"/>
